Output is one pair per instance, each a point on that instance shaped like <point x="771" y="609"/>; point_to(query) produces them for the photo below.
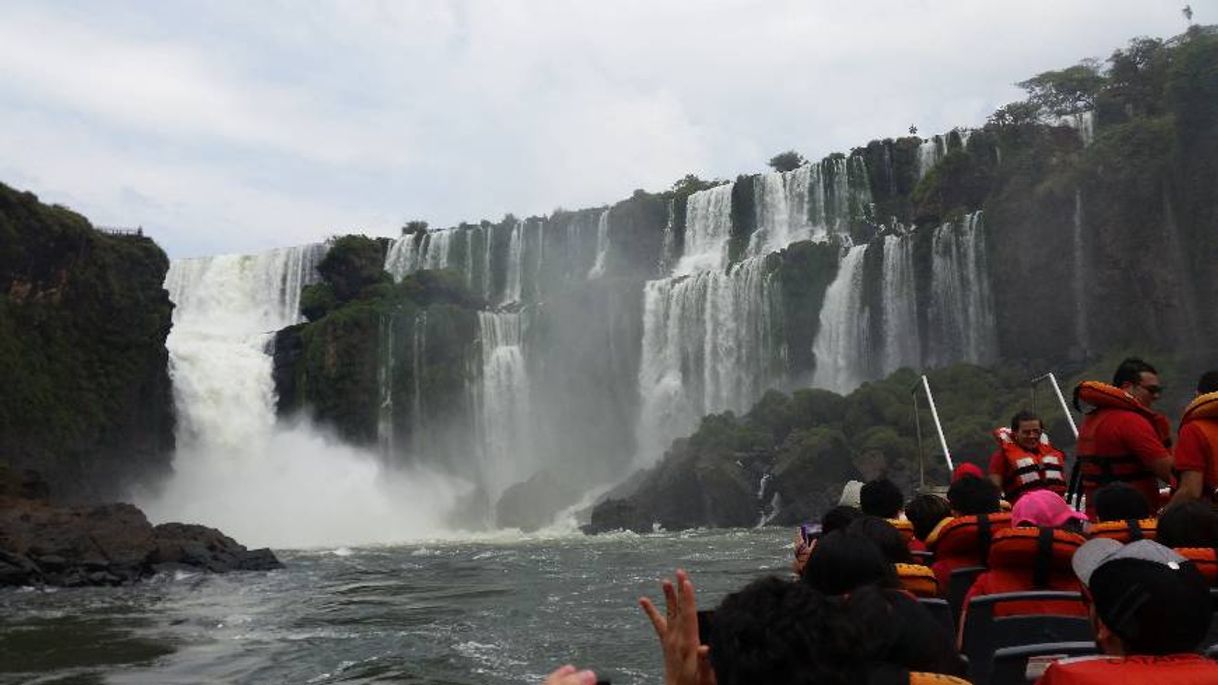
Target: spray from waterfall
<point x="236" y="468"/>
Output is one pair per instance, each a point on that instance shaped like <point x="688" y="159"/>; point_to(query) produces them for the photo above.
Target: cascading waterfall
<point x="235" y="468"/>
<point x="783" y="214"/>
<point x="930" y="152"/>
<point x="602" y="246"/>
<point x="961" y="314"/>
<point x="384" y="376"/>
<point x="900" y="345"/>
<point x="1080" y="275"/>
<point x="842" y="341"/>
<point x="503" y="411"/>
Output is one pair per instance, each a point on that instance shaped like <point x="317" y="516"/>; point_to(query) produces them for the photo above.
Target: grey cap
<point x="1095" y="553"/>
<point x="852" y="494"/>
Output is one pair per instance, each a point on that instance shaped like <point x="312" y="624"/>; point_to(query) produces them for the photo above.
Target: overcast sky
<point x="238" y="126"/>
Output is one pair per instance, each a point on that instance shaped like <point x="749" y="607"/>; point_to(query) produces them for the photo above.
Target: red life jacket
<point x="1203" y="413"/>
<point x="1176" y="669"/>
<point x="1101" y="469"/>
<point x="1043" y="469"/>
<point x="1125" y="532"/>
<point x="1029" y="558"/>
<point x="905" y="528"/>
<point x="918" y="580"/>
<point x="963" y="541"/>
<point x="1205" y="559"/>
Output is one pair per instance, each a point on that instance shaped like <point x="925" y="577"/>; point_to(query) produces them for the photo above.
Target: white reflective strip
<point x="1025" y="462"/>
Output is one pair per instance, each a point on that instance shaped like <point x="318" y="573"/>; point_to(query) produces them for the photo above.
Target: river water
<point x="504" y="609"/>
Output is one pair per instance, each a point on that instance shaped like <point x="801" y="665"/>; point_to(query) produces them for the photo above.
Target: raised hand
<point x="686" y="662"/>
<point x="568" y="675"/>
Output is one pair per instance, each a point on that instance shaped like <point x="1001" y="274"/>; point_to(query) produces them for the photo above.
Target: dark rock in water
<point x="108" y="544"/>
<point x="207" y="548"/>
<point x="617" y="514"/>
<point x="532" y="504"/>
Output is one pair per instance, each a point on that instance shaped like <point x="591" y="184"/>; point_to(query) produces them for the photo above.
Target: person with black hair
<point x="1150" y="609"/>
<point x="1189" y="524"/>
<point x="884" y="535"/>
<point x="925" y="512"/>
<point x="1024" y="460"/>
<point x="1121" y="437"/>
<point x="1197" y="450"/>
<point x="881" y="497"/>
<point x="1120" y="502"/>
<point x="973" y="496"/>
<point x="836" y="518"/>
<point x="842" y="561"/>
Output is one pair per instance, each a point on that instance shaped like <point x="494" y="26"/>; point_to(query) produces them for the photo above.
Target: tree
<point x="913" y="130"/>
<point x="1068" y="91"/>
<point x="1137" y="74"/>
<point x="1013" y="116"/>
<point x="787" y="161"/>
<point x="414" y="226"/>
<point x="1188" y="13"/>
<point x="690" y="184"/>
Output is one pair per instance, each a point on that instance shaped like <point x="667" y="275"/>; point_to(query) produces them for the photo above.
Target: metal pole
<point x="934" y="414"/>
<point x="1061" y="399"/>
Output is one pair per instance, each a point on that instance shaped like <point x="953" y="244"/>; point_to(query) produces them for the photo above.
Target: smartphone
<point x="706" y="618"/>
<point x="809" y="532"/>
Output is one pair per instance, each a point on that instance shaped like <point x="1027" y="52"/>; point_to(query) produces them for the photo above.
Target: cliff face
<point x="87" y="398"/>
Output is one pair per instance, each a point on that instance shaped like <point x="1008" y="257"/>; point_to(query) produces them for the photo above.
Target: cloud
<point x="234" y="126"/>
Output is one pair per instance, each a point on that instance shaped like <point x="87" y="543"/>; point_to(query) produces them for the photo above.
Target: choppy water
<point x="473" y="611"/>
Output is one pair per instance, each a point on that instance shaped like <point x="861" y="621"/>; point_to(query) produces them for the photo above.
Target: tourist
<point x="1189" y="524"/>
<point x="969" y="496"/>
<point x="836" y="518"/>
<point x="884" y="535"/>
<point x="1047" y="509"/>
<point x="925" y="512"/>
<point x="842" y="561"/>
<point x="1150" y="609"/>
<point x="851" y="494"/>
<point x="881" y="497"/>
<point x="1120" y="502"/>
<point x="1025" y="461"/>
<point x="1197" y="450"/>
<point x="1122" y="438"/>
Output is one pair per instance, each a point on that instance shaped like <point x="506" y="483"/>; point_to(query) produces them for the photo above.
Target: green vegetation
<point x="787" y="161"/>
<point x="358" y="320"/>
<point x="85" y="396"/>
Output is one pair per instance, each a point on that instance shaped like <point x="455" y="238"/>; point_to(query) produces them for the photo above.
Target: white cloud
<point x="233" y="126"/>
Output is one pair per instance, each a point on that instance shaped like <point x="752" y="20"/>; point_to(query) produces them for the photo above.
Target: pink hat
<point x="967" y="469"/>
<point x="1043" y="508"/>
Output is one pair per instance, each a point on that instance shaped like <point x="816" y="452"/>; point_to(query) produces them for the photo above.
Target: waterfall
<point x="235" y="467"/>
<point x="602" y="246"/>
<point x="384" y="378"/>
<point x="930" y="152"/>
<point x="1079" y="281"/>
<point x="1083" y="122"/>
<point x="708" y="224"/>
<point x="503" y="413"/>
<point x="843" y="339"/>
<point x="418" y="348"/>
<point x="899" y="344"/>
<point x="782" y="210"/>
<point x="961" y="310"/>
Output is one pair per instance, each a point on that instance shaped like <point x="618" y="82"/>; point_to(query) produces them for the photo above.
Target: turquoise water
<point x="497" y="610"/>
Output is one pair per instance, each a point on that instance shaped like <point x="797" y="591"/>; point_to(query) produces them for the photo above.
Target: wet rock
<point x="107" y="544"/>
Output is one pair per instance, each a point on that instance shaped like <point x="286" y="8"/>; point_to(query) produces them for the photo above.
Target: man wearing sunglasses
<point x="1122" y="438"/>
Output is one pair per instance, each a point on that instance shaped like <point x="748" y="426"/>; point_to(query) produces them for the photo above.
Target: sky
<point x="234" y="127"/>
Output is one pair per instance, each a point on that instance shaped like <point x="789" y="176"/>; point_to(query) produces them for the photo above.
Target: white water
<point x="961" y="315"/>
<point x="237" y="469"/>
<point x="504" y="416"/>
<point x="602" y="246"/>
<point x="841" y="346"/>
<point x="782" y="210"/>
<point x="899" y="344"/>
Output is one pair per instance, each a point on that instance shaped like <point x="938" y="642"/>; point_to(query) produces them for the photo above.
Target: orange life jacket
<point x="1126" y="531"/>
<point x="905" y="528"/>
<point x="963" y="541"/>
<point x="1029" y="558"/>
<point x="1176" y="669"/>
<point x="1101" y="469"/>
<point x="1043" y="469"/>
<point x="918" y="580"/>
<point x="1205" y="559"/>
<point x="1203" y="413"/>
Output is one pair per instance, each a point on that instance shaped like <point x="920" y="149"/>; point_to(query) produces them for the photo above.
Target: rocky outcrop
<point x="86" y="396"/>
<point x="106" y="544"/>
